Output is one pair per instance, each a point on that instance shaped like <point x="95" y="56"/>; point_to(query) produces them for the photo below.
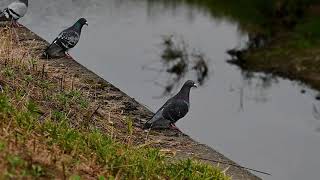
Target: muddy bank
<point x="302" y="66"/>
<point x="112" y="106"/>
<point x="281" y="57"/>
<point x="290" y="50"/>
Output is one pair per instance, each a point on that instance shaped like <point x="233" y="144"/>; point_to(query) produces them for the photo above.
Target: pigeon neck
<point x="184" y="93"/>
<point x="77" y="25"/>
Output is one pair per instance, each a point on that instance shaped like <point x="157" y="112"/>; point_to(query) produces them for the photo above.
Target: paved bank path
<point x="111" y="102"/>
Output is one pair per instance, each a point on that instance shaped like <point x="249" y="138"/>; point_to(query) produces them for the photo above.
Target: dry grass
<point x="30" y="85"/>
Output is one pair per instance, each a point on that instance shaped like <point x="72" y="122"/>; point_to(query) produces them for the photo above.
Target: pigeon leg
<point x="19" y="25"/>
<point x="15" y="23"/>
<point x="173" y="126"/>
<point x="68" y="55"/>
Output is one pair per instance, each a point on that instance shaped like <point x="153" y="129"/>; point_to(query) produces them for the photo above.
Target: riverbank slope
<point x="65" y="120"/>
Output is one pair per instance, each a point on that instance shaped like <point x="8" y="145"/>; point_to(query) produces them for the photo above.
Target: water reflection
<point x="260" y="82"/>
<point x="315" y="112"/>
<point x="201" y="68"/>
<point x="156" y="8"/>
<point x="316" y="115"/>
<point x="177" y="61"/>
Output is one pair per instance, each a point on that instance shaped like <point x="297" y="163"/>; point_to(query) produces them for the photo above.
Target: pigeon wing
<point x="3" y="16"/>
<point x="17" y="10"/>
<point x="157" y="120"/>
<point x="68" y="39"/>
<point x="53" y="51"/>
<point x="175" y="110"/>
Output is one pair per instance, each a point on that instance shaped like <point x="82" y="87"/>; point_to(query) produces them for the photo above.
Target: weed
<point x="37" y="171"/>
<point x="28" y="78"/>
<point x="2" y="145"/>
<point x="129" y="125"/>
<point x="8" y="72"/>
<point x="59" y="116"/>
<point x="101" y="178"/>
<point x="75" y="177"/>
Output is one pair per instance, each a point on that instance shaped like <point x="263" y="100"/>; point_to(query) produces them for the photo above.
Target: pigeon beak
<point x="86" y="24"/>
<point x="195" y="85"/>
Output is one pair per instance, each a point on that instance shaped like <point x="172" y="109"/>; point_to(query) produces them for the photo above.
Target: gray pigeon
<point x="15" y="11"/>
<point x="173" y="110"/>
<point x="66" y="40"/>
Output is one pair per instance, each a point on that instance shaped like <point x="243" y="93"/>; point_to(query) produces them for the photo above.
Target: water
<point x="261" y="122"/>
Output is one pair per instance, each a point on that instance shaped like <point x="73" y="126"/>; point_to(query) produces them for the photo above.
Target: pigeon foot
<point x="68" y="55"/>
<point x="16" y="24"/>
<point x="173" y="126"/>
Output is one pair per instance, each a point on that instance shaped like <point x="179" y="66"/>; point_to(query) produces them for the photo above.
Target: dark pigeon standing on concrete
<point x="15" y="11"/>
<point x="66" y="40"/>
<point x="173" y="110"/>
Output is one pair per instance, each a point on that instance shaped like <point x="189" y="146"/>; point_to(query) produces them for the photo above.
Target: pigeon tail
<point x="147" y="125"/>
<point x="164" y="124"/>
<point x="157" y="116"/>
<point x="53" y="51"/>
<point x="3" y="16"/>
<point x="157" y="122"/>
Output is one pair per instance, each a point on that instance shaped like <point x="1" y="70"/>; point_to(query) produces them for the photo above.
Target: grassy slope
<point x="45" y="131"/>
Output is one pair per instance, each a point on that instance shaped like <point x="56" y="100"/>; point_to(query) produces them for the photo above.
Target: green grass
<point x="114" y="157"/>
<point x="17" y="167"/>
<point x="309" y="30"/>
<point x="68" y="98"/>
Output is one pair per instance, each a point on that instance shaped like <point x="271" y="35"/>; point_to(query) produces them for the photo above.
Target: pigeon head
<point x="24" y="1"/>
<point x="185" y="90"/>
<point x="190" y="84"/>
<point x="79" y="24"/>
<point x="82" y="21"/>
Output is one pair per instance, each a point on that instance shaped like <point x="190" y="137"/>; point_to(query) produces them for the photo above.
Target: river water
<point x="257" y="120"/>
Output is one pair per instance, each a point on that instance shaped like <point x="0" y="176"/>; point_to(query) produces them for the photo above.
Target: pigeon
<point x="173" y="110"/>
<point x="15" y="11"/>
<point x="66" y="40"/>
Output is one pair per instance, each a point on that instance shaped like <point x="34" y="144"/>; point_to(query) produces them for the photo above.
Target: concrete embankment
<point x="113" y="105"/>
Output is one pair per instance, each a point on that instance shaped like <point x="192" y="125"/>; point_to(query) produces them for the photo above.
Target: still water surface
<point x="261" y="122"/>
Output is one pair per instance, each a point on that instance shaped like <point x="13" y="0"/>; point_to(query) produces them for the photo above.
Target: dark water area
<point x="257" y="120"/>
